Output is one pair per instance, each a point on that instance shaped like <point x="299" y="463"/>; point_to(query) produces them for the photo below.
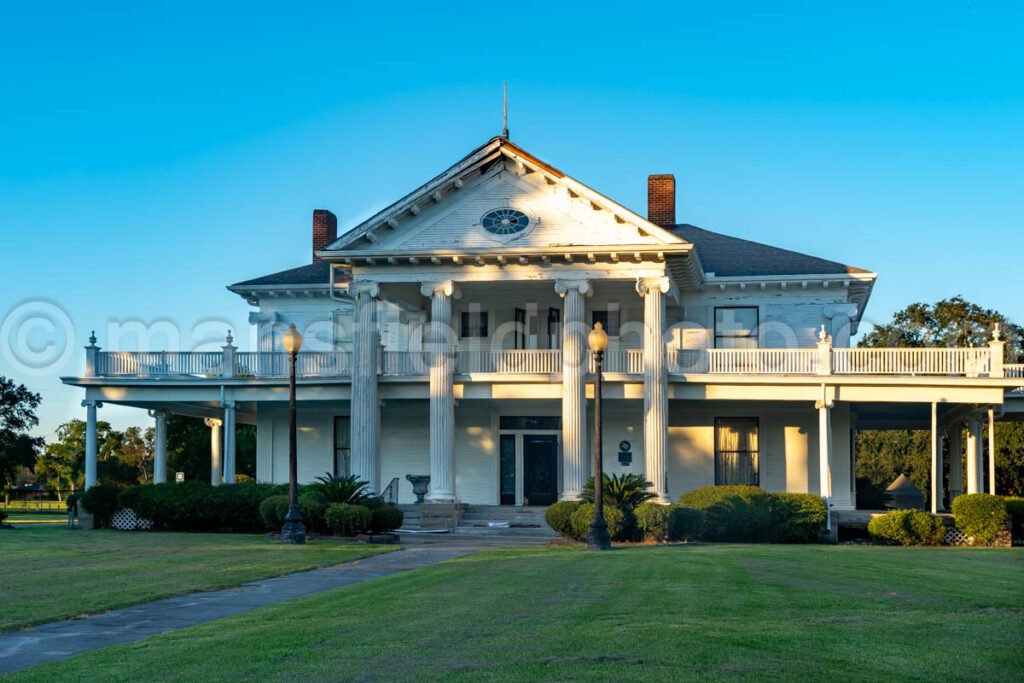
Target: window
<point x="736" y="328"/>
<point x="342" y="451"/>
<point x="736" y="454"/>
<point x="609" y="321"/>
<point x="474" y="325"/>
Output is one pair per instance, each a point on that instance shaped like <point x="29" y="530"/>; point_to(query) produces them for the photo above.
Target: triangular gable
<point x="393" y="224"/>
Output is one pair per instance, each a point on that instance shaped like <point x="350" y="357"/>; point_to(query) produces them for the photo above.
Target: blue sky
<point x="151" y="153"/>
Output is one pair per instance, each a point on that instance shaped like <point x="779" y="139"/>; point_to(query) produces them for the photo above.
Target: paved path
<point x="63" y="639"/>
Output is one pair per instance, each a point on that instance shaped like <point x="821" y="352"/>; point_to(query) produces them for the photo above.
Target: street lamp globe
<point x="598" y="339"/>
<point x="292" y="340"/>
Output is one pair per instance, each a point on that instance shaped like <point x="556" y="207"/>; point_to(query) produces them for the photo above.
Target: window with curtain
<point x="736" y="327"/>
<point x="736" y="451"/>
<point x="474" y="325"/>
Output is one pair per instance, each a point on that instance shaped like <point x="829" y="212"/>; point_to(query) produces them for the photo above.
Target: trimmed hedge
<point x="685" y="524"/>
<point x="907" y="527"/>
<point x="272" y="511"/>
<point x="981" y="516"/>
<point x="101" y="502"/>
<point x="197" y="506"/>
<point x="732" y="513"/>
<point x="797" y="517"/>
<point x="344" y="519"/>
<point x="559" y="516"/>
<point x="653" y="521"/>
<point x="386" y="518"/>
<point x="615" y="518"/>
<point x="1015" y="508"/>
<point x="312" y="507"/>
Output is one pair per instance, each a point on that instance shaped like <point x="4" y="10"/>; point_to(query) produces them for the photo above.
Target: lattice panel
<point x="125" y="519"/>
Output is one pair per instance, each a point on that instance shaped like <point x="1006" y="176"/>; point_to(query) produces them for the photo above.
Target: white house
<point x="446" y="335"/>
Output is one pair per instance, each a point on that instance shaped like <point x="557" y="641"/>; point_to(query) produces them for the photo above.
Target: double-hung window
<point x="736" y="327"/>
<point x="736" y="451"/>
<point x="474" y="325"/>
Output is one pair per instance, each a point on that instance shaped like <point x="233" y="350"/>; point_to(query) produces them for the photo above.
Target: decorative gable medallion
<point x="506" y="224"/>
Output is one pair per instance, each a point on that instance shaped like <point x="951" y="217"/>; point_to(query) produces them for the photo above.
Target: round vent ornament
<point x="505" y="223"/>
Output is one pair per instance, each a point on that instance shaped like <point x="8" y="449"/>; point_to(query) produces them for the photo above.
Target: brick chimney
<point x="661" y="199"/>
<point x="325" y="230"/>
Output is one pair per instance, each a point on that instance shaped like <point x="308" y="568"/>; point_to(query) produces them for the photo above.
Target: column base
<point x="571" y="495"/>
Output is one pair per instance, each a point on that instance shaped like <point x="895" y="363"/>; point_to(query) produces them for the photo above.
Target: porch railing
<point x="517" y="361"/>
<point x="968" y="362"/>
<point x="1014" y="369"/>
<point x="763" y="361"/>
<point x="159" y="364"/>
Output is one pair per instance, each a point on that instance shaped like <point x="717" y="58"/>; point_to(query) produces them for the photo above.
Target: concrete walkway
<point x="63" y="639"/>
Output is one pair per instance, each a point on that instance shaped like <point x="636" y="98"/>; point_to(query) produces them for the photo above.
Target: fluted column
<point x="159" y="445"/>
<point x="216" y="451"/>
<point x="438" y="340"/>
<point x="229" y="442"/>
<point x="365" y="405"/>
<point x="956" y="461"/>
<point x="574" y="387"/>
<point x="655" y="385"/>
<point x="90" y="441"/>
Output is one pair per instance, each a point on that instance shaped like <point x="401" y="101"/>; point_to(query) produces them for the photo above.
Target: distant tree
<point x="953" y="322"/>
<point x="188" y="448"/>
<point x="18" y="449"/>
<point x="136" y="451"/>
<point x="62" y="465"/>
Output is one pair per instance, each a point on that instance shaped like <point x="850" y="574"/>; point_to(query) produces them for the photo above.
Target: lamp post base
<point x="294" y="531"/>
<point x="598" y="537"/>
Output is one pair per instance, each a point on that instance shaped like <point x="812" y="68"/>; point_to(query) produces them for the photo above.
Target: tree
<point x="18" y="449"/>
<point x="136" y="451"/>
<point x="188" y="451"/>
<point x="954" y="322"/>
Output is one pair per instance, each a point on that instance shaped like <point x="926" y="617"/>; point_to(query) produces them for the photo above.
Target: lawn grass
<point x="51" y="573"/>
<point x="741" y="612"/>
<point x="37" y="517"/>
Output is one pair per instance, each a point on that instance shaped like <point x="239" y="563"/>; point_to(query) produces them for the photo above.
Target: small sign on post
<point x="179" y="477"/>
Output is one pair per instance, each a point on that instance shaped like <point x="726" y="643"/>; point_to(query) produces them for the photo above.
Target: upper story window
<point x="736" y="327"/>
<point x="736" y="451"/>
<point x="473" y="325"/>
<point x="609" y="320"/>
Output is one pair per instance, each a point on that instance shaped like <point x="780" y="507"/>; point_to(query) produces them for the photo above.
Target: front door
<point x="540" y="469"/>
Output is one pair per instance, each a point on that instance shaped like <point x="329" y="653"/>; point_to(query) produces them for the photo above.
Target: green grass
<point x="52" y="573"/>
<point x="51" y="505"/>
<point x="740" y="612"/>
<point x="33" y="517"/>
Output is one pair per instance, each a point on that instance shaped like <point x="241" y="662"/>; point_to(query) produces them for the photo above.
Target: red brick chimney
<point x="661" y="199"/>
<point x="325" y="230"/>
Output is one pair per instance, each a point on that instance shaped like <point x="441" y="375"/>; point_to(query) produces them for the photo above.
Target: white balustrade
<point x="1013" y="370"/>
<point x="510" y="361"/>
<point x="629" y="361"/>
<point x="763" y="361"/>
<point x="966" y="362"/>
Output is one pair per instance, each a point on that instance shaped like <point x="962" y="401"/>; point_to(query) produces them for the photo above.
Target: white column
<point x="956" y="460"/>
<point x="655" y="385"/>
<point x="90" y="441"/>
<point x="159" y="445"/>
<point x="574" y="387"/>
<point x="438" y="339"/>
<point x="992" y="451"/>
<point x="973" y="456"/>
<point x="216" y="456"/>
<point x="825" y="452"/>
<point x="229" y="442"/>
<point x="365" y="405"/>
<point x="936" y="478"/>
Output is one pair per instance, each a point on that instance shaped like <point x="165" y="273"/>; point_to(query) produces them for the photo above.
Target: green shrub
<point x="559" y="516"/>
<point x="732" y="513"/>
<point x="625" y="492"/>
<point x="797" y="517"/>
<point x="981" y="516"/>
<point x="272" y="511"/>
<point x="653" y="521"/>
<point x="1015" y="508"/>
<point x="197" y="506"/>
<point x="907" y="527"/>
<point x="344" y="519"/>
<point x="386" y="518"/>
<point x="101" y="502"/>
<point x="341" y="489"/>
<point x="619" y="525"/>
<point x="312" y="508"/>
<point x="685" y="524"/>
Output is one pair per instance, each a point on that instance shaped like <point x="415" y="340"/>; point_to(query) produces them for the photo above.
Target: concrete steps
<point x="504" y="520"/>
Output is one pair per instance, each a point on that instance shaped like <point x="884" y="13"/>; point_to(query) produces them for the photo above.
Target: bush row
<point x="907" y="527"/>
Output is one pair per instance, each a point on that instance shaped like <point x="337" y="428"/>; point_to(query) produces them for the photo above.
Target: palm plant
<point x="625" y="492"/>
<point x="341" y="489"/>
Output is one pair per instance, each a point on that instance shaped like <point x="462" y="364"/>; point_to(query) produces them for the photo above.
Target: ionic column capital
<point x="646" y="285"/>
<point x="214" y="422"/>
<point x="563" y="287"/>
<point x="367" y="287"/>
<point x="442" y="288"/>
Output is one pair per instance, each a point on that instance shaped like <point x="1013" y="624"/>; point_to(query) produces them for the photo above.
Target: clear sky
<point x="153" y="152"/>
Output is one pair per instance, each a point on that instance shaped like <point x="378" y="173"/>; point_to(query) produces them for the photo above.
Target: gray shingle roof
<point x="734" y="257"/>
<point x="310" y="274"/>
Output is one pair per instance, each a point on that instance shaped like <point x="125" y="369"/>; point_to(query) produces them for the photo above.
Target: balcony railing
<point x="973" y="362"/>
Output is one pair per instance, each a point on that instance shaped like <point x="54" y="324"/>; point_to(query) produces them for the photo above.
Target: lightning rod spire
<point x="504" y="126"/>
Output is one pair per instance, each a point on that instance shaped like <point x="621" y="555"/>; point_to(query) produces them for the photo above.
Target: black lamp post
<point x="293" y="531"/>
<point x="597" y="536"/>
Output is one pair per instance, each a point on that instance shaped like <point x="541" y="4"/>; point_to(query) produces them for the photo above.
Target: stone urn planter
<point x="420" y="485"/>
